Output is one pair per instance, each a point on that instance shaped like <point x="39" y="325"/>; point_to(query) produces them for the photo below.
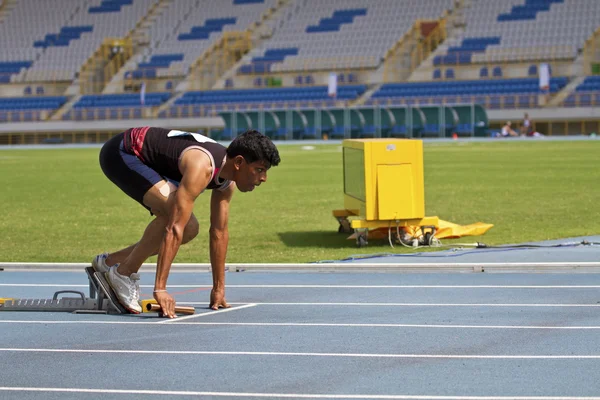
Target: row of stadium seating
<point x="537" y="26"/>
<point x="190" y="27"/>
<point x="500" y="86"/>
<point x="29" y="108"/>
<point x="484" y="72"/>
<point x="308" y="36"/>
<point x="586" y="93"/>
<point x="61" y="35"/>
<point x="502" y="93"/>
<point x="351" y="33"/>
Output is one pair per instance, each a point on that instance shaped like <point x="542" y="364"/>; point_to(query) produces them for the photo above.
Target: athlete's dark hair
<point x="254" y="146"/>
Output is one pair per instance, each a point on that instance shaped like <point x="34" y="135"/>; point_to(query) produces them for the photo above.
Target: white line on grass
<point x="212" y="312"/>
<point x="280" y="395"/>
<point x="307" y="325"/>
<point x="305" y="354"/>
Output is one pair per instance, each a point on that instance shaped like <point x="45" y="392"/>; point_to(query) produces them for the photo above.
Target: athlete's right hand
<point x="166" y="303"/>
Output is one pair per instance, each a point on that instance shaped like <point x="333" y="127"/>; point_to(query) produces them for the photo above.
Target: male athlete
<point x="165" y="171"/>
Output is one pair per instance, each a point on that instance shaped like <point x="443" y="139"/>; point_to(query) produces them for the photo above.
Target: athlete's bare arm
<point x="196" y="170"/>
<point x="219" y="239"/>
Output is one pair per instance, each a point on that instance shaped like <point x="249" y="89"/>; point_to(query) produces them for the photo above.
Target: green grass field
<point x="59" y="207"/>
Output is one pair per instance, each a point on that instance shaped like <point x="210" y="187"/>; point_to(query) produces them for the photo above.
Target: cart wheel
<point x="427" y="238"/>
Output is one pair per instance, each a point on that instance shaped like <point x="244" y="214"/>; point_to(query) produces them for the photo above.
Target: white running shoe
<point x="99" y="263"/>
<point x="127" y="289"/>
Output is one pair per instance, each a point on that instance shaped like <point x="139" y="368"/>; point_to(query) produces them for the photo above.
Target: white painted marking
<point x="281" y="395"/>
<point x="284" y="286"/>
<point x="212" y="312"/>
<point x="306" y="354"/>
<point x="308" y="324"/>
<point x="335" y="304"/>
<point x="336" y="267"/>
<point x="339" y="304"/>
<point x="397" y="286"/>
<point x="41" y="285"/>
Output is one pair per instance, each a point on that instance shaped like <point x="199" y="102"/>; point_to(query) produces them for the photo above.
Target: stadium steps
<point x="559" y="97"/>
<point x="98" y="70"/>
<point x="115" y="85"/>
<point x="167" y="105"/>
<point x="263" y="29"/>
<point x="229" y="74"/>
<point x="424" y="71"/>
<point x="398" y="63"/>
<point x="260" y="31"/>
<point x="455" y="28"/>
<point x="139" y="35"/>
<point x="366" y="95"/>
<point x="218" y="59"/>
<point x="98" y="66"/>
<point x="58" y="114"/>
<point x="5" y="8"/>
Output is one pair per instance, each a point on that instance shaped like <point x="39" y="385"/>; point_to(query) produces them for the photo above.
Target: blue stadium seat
<point x="527" y="11"/>
<point x="333" y="23"/>
<point x="465" y="91"/>
<point x="28" y="108"/>
<point x="201" y="32"/>
<point x="64" y="37"/>
<point x="248" y="97"/>
<point x="532" y="71"/>
<point x="463" y="54"/>
<point x="109" y="6"/>
<point x="259" y="65"/>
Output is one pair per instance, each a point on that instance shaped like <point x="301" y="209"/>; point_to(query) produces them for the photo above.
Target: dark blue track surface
<point x="314" y="335"/>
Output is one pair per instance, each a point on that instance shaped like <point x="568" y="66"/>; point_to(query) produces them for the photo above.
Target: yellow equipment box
<point x="383" y="186"/>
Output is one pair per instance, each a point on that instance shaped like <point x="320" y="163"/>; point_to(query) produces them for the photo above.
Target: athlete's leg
<point x="123" y="277"/>
<point x="157" y="224"/>
<point x="148" y="188"/>
<point x="159" y="199"/>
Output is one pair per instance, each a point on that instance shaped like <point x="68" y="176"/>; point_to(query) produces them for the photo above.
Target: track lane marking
<point x="281" y="395"/>
<point x="308" y="354"/>
<point x="212" y="312"/>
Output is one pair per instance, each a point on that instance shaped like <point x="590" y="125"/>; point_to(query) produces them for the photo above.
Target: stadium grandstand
<point x="79" y="71"/>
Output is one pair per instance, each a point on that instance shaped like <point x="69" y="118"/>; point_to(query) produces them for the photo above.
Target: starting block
<point x="102" y="299"/>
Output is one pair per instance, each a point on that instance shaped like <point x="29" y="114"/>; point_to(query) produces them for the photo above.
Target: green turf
<point x="59" y="207"/>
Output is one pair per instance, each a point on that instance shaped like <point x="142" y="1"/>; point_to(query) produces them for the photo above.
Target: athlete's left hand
<point x="217" y="299"/>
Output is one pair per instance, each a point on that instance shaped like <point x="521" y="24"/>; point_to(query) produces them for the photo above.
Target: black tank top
<point x="161" y="152"/>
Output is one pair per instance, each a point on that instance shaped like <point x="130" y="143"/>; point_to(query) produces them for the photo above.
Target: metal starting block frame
<point x="102" y="299"/>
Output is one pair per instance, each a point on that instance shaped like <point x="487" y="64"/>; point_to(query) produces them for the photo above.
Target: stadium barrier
<point x="466" y="120"/>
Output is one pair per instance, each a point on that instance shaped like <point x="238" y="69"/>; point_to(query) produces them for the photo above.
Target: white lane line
<point x="306" y="354"/>
<point x="308" y="325"/>
<point x="281" y="395"/>
<point x="212" y="312"/>
<point x="334" y="304"/>
<point x="333" y="286"/>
